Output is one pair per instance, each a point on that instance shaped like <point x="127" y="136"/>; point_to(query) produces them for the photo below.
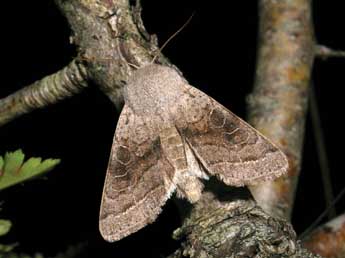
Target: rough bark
<point x="225" y="226"/>
<point x="278" y="104"/>
<point x="111" y="41"/>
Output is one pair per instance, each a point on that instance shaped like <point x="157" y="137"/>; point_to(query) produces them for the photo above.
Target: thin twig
<point x="326" y="52"/>
<point x="322" y="215"/>
<point x="328" y="240"/>
<point x="321" y="152"/>
<point x="65" y="83"/>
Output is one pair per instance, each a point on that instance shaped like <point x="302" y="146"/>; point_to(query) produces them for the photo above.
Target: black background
<point x="216" y="52"/>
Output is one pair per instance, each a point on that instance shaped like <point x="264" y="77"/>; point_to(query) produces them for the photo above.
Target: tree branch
<point x="218" y="227"/>
<point x="49" y="90"/>
<point x="328" y="240"/>
<point x="325" y="52"/>
<point x="109" y="41"/>
<point x="277" y="107"/>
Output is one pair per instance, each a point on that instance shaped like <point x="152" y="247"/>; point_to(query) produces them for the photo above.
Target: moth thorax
<point x="153" y="89"/>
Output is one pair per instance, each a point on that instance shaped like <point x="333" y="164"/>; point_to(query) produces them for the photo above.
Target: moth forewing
<point x="137" y="182"/>
<point x="167" y="133"/>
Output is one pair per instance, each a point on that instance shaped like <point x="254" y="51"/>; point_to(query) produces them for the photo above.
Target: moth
<point x="170" y="136"/>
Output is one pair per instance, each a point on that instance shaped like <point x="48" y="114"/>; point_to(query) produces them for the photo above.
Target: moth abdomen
<point x="173" y="147"/>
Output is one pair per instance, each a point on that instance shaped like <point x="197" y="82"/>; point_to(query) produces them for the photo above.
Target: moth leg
<point x="190" y="188"/>
<point x="187" y="168"/>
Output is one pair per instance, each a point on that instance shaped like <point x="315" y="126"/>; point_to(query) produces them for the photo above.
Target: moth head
<point x="153" y="88"/>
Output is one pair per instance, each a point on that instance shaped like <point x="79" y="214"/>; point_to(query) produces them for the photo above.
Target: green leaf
<point x="1" y="164"/>
<point x="5" y="226"/>
<point x="14" y="171"/>
<point x="6" y="254"/>
<point x="13" y="161"/>
<point x="48" y="165"/>
<point x="30" y="165"/>
<point x="7" y="248"/>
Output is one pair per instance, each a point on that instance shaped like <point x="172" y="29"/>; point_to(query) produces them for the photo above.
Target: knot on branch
<point x="243" y="231"/>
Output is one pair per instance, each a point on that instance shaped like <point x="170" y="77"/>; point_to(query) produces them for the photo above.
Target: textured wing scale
<point x="143" y="171"/>
<point x="137" y="181"/>
<point x="226" y="145"/>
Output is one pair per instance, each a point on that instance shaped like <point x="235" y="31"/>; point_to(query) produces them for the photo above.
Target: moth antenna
<point x="173" y="36"/>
